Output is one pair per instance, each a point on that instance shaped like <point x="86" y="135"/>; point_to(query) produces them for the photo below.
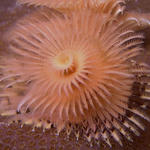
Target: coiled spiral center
<point x="63" y="62"/>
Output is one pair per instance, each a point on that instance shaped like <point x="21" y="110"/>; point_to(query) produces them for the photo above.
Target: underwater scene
<point x="74" y="75"/>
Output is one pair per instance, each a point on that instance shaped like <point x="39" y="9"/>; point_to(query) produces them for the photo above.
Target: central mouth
<point x="63" y="62"/>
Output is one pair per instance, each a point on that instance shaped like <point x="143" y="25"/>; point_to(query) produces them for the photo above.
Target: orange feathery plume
<point x="73" y="70"/>
<point x="113" y="8"/>
<point x="64" y="5"/>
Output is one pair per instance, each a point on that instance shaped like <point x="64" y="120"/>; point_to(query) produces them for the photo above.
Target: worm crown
<point x="74" y="70"/>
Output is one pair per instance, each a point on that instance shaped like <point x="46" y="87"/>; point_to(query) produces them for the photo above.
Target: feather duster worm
<point x="74" y="71"/>
<point x="109" y="7"/>
<point x="70" y="5"/>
